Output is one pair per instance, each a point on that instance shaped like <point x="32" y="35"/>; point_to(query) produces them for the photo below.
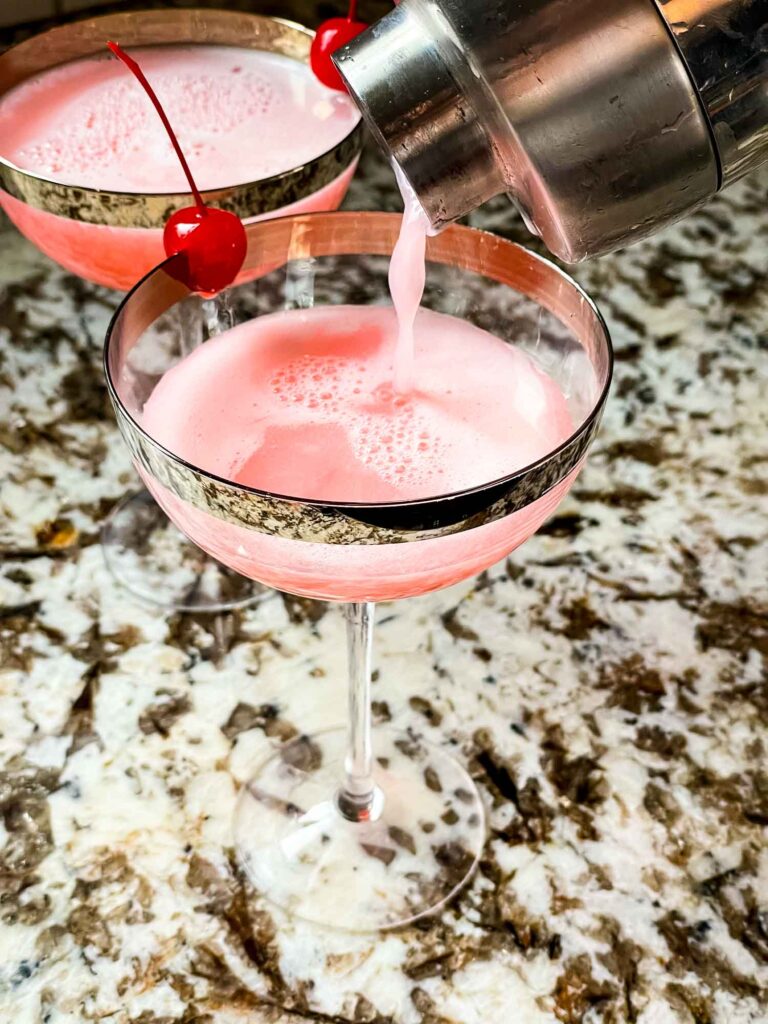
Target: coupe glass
<point x="325" y="828"/>
<point x="114" y="238"/>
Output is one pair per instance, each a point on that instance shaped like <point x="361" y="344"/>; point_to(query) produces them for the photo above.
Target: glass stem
<point x="358" y="798"/>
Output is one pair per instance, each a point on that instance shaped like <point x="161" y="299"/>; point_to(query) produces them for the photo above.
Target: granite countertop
<point x="606" y="685"/>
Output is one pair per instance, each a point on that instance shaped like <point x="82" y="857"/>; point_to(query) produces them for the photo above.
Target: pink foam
<point x="240" y="115"/>
<point x="301" y="403"/>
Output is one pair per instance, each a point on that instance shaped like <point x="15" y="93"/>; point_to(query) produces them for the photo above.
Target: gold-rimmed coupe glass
<point x="361" y="828"/>
<point x="113" y="238"/>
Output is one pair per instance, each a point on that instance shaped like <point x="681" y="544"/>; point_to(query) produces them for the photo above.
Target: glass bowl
<point x="323" y="828"/>
<point x="343" y="551"/>
<point x="114" y="238"/>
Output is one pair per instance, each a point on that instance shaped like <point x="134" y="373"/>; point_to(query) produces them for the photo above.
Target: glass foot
<point x="421" y="845"/>
<point x="153" y="560"/>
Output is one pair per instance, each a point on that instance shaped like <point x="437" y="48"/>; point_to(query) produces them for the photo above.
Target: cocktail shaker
<point x="603" y="120"/>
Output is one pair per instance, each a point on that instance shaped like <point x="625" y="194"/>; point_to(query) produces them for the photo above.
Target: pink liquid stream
<point x="407" y="277"/>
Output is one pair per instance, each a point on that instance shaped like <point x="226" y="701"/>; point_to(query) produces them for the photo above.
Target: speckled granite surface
<point x="606" y="685"/>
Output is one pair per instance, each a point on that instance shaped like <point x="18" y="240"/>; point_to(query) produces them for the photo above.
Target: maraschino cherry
<point x="329" y="37"/>
<point x="212" y="241"/>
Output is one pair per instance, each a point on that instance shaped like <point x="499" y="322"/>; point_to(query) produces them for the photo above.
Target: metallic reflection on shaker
<point x="603" y="122"/>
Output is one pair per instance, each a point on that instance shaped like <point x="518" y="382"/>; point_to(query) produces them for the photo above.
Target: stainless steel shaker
<point x="602" y="119"/>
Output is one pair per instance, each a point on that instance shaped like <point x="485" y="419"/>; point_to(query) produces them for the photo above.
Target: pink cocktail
<point x="301" y="403"/>
<point x="284" y="446"/>
<point x="87" y="172"/>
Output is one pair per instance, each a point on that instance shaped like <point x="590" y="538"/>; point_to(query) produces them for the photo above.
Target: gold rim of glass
<point x="152" y="28"/>
<point x="340" y="522"/>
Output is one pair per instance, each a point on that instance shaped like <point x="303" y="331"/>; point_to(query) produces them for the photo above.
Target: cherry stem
<point x="352" y="12"/>
<point x="133" y="67"/>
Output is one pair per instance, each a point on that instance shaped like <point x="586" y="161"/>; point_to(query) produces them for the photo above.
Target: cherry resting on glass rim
<point x="329" y="37"/>
<point x="212" y="242"/>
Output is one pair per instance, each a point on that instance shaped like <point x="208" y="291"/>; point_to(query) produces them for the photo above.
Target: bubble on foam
<point x="215" y="103"/>
<point x="115" y="122"/>
<point x="391" y="442"/>
<point x="317" y="382"/>
<point x="386" y="433"/>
